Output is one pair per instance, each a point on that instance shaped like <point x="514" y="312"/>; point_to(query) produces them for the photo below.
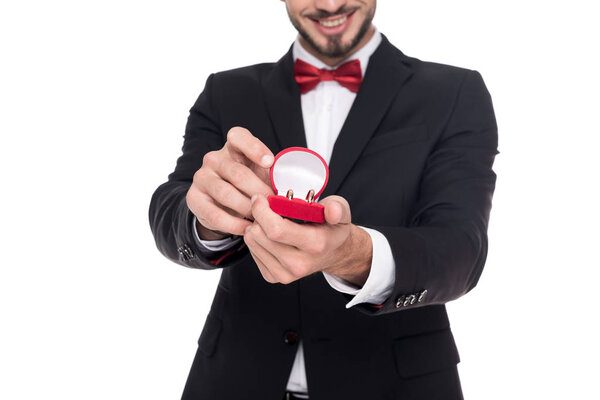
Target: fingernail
<point x="247" y="229"/>
<point x="267" y="161"/>
<point x="253" y="199"/>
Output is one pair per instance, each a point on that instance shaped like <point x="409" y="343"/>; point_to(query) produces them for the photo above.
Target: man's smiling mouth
<point x="336" y="22"/>
<point x="332" y="22"/>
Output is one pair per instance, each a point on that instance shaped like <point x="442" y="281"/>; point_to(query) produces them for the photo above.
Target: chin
<point x="337" y="46"/>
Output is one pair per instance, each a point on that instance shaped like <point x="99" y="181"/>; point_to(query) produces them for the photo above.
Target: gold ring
<point x="310" y="197"/>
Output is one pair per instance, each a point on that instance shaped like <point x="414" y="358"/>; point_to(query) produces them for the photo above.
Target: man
<point x="352" y="308"/>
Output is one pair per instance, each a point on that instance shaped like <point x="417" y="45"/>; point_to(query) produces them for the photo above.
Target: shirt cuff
<point x="382" y="277"/>
<point x="210" y="247"/>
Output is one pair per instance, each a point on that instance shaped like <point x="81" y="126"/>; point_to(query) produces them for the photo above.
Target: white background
<point x="94" y="98"/>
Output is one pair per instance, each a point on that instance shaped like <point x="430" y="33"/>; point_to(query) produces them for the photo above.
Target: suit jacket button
<point x="290" y="337"/>
<point x="186" y="252"/>
<point x="400" y="301"/>
<point x="422" y="295"/>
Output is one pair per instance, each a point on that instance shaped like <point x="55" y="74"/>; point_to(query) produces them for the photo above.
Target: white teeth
<point x="331" y="24"/>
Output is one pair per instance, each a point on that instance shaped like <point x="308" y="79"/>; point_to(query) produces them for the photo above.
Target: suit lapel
<point x="282" y="97"/>
<point x="385" y="74"/>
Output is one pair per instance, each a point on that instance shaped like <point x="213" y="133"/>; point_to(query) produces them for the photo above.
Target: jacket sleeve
<point x="171" y="221"/>
<point x="440" y="254"/>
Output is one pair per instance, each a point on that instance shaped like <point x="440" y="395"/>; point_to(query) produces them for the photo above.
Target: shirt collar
<point x="363" y="54"/>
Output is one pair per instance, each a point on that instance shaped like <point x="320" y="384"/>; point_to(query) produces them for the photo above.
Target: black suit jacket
<point x="414" y="160"/>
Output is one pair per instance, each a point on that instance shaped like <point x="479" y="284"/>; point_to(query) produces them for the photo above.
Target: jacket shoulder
<point x="431" y="78"/>
<point x="437" y="75"/>
<point x="245" y="76"/>
<point x="439" y="83"/>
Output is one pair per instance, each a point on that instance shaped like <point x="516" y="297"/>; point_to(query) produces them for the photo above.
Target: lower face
<point x="332" y="33"/>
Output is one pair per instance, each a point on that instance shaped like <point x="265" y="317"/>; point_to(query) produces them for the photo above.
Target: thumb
<point x="337" y="210"/>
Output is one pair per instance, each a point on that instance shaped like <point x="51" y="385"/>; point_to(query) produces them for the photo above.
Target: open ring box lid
<point x="300" y="170"/>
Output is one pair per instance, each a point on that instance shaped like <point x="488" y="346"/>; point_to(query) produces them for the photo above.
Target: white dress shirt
<point x="324" y="110"/>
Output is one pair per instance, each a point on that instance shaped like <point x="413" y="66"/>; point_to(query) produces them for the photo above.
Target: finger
<point x="244" y="179"/>
<point x="280" y="251"/>
<point x="264" y="271"/>
<point x="277" y="228"/>
<point x="269" y="261"/>
<point x="288" y="257"/>
<point x="228" y="196"/>
<point x="337" y="210"/>
<point x="241" y="141"/>
<point x="213" y="217"/>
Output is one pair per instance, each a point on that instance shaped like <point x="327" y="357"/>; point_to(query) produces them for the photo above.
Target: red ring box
<point x="300" y="170"/>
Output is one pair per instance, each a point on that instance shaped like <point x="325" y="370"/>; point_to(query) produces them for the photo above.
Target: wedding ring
<point x="310" y="197"/>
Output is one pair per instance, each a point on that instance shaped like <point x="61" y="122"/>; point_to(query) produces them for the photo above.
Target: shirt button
<point x="290" y="337"/>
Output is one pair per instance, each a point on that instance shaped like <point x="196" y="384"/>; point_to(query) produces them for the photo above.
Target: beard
<point x="334" y="48"/>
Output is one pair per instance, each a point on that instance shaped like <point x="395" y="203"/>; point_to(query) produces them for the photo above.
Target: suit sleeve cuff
<point x="209" y="247"/>
<point x="382" y="277"/>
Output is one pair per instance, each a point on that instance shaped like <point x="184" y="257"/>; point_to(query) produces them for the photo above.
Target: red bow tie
<point x="349" y="75"/>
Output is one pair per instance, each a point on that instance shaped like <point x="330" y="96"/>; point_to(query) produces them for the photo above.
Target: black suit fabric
<point x="414" y="160"/>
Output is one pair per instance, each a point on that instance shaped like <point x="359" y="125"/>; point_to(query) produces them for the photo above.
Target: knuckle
<point x="318" y="247"/>
<point x="231" y="134"/>
<point x="274" y="232"/>
<point x="198" y="176"/>
<point x="266" y="276"/>
<point x="235" y="133"/>
<point x="298" y="269"/>
<point x="209" y="159"/>
<point x="287" y="280"/>
<point x="275" y="277"/>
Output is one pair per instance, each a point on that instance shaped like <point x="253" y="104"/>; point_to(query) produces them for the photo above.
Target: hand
<point x="220" y="194"/>
<point x="286" y="251"/>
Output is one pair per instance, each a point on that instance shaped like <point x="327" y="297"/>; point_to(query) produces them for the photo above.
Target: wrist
<point x="355" y="255"/>
<point x="207" y="234"/>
